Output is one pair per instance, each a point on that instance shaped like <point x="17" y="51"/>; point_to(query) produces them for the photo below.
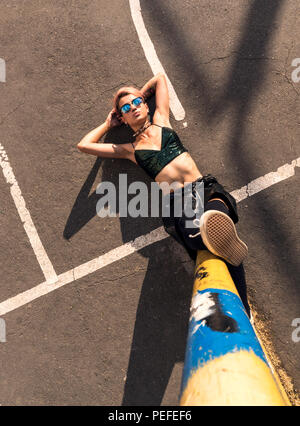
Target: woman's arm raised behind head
<point x="158" y="84"/>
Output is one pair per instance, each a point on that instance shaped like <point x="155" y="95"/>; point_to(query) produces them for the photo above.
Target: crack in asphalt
<point x="243" y="58"/>
<point x="10" y="112"/>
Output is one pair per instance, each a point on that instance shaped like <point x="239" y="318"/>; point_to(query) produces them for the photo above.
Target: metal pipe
<point x="224" y="363"/>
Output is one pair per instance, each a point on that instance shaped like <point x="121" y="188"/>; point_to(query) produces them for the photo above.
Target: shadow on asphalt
<point x="161" y="325"/>
<point x="84" y="208"/>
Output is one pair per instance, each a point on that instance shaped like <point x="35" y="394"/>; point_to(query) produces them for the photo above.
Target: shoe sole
<point x="220" y="237"/>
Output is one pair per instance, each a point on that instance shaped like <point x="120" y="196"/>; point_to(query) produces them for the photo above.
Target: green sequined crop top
<point x="153" y="161"/>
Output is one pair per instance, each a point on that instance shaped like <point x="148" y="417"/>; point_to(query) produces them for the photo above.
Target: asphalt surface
<point x="117" y="336"/>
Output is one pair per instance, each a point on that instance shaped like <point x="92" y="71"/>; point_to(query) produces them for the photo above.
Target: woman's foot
<point x="219" y="235"/>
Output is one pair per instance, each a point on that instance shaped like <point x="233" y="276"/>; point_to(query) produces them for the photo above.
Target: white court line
<point x="152" y="58"/>
<point x="263" y="182"/>
<point x="119" y="253"/>
<point x="2" y="71"/>
<point x="41" y="255"/>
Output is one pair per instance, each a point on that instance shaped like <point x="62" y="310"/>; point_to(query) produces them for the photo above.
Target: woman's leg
<point x="217" y="204"/>
<point x="215" y="230"/>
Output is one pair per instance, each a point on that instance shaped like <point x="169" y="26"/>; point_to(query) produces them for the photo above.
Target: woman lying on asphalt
<point x="159" y="151"/>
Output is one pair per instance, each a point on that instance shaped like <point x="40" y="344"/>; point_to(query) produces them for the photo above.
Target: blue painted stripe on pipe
<point x="218" y="325"/>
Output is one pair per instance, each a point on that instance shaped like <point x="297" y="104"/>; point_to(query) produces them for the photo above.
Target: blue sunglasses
<point x="127" y="107"/>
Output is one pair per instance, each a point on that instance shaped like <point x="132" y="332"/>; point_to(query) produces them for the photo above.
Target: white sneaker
<point x="219" y="235"/>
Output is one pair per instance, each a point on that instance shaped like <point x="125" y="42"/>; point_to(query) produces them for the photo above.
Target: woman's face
<point x="137" y="115"/>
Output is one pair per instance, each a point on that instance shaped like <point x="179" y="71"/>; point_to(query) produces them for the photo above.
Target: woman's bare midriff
<point x="177" y="173"/>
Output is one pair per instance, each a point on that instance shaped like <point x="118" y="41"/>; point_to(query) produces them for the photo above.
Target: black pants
<point x="177" y="226"/>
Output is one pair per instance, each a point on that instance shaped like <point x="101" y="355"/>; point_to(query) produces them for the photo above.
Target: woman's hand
<point x="113" y="119"/>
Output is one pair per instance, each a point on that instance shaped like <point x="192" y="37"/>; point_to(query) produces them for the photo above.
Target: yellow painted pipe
<point x="225" y="363"/>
